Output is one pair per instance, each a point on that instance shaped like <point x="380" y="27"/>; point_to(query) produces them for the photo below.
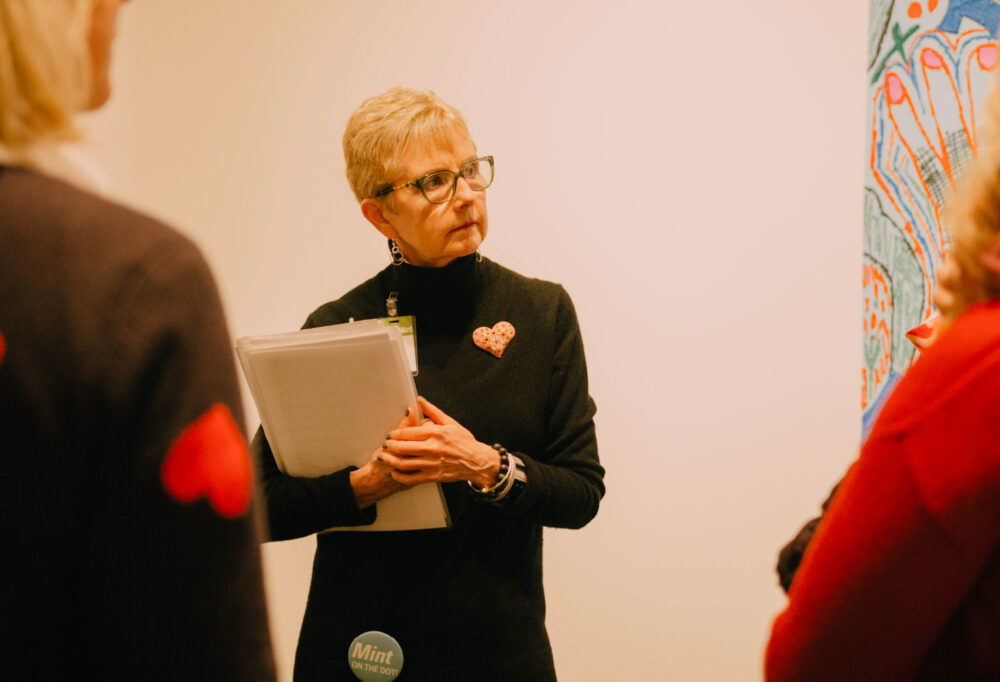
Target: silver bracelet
<point x="517" y="481"/>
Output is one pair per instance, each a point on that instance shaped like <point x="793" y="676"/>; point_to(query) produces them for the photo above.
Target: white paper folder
<point x="327" y="397"/>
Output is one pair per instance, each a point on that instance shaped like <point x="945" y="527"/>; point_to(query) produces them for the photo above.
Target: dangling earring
<point x="394" y="252"/>
<point x="479" y="256"/>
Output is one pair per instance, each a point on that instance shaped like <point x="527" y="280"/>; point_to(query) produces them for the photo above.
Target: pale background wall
<point x="691" y="172"/>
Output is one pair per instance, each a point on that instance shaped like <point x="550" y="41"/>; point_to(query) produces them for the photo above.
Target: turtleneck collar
<point x="447" y="291"/>
<point x="457" y="269"/>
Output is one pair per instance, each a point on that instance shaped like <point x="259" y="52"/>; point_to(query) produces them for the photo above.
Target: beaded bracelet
<point x="493" y="492"/>
<point x="509" y="477"/>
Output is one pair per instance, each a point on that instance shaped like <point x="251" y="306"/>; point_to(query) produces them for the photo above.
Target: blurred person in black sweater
<point x="129" y="537"/>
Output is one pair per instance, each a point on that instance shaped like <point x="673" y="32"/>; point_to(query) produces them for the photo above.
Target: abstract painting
<point x="930" y="63"/>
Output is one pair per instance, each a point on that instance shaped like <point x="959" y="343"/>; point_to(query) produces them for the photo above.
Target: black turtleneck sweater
<point x="466" y="602"/>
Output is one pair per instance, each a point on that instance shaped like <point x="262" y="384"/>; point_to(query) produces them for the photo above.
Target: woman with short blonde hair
<point x="509" y="430"/>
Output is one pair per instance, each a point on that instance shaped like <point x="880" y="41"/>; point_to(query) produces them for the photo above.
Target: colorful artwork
<point x="930" y="63"/>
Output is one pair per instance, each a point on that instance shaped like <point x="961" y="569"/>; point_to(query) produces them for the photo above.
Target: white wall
<point x="691" y="172"/>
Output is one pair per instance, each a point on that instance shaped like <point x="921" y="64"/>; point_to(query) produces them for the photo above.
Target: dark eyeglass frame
<point x="419" y="182"/>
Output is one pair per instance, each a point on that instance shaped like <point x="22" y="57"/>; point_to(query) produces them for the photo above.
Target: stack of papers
<point x="328" y="396"/>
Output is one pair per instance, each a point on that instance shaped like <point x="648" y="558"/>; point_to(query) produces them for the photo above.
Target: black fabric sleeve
<point x="297" y="506"/>
<point x="175" y="585"/>
<point x="565" y="484"/>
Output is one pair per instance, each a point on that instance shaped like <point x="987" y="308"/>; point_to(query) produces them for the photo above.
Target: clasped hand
<point x="437" y="450"/>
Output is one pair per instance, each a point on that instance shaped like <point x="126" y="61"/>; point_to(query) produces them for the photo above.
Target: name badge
<point x="407" y="325"/>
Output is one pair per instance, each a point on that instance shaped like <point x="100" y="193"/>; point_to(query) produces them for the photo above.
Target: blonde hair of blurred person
<point x="971" y="271"/>
<point x="382" y="128"/>
<point x="54" y="61"/>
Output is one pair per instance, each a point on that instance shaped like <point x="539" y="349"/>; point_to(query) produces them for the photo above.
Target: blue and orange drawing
<point x="930" y="65"/>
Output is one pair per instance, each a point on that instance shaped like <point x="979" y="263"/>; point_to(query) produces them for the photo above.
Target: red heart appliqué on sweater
<point x="210" y="459"/>
<point x="494" y="340"/>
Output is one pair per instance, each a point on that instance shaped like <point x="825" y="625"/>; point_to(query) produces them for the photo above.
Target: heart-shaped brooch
<point x="494" y="340"/>
<point x="210" y="459"/>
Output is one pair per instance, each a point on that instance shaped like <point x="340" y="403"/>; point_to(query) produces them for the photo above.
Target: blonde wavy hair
<point x="972" y="215"/>
<point x="45" y="69"/>
<point x="381" y="129"/>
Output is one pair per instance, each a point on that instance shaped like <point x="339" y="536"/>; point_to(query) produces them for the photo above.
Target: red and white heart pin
<point x="494" y="340"/>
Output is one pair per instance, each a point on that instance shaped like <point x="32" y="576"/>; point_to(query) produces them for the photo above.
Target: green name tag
<point x="407" y="325"/>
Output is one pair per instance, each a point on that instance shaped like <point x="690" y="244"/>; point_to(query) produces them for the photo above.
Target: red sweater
<point x="902" y="579"/>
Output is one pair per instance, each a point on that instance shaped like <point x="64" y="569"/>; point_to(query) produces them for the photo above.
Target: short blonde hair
<point x="45" y="69"/>
<point x="972" y="215"/>
<point x="379" y="132"/>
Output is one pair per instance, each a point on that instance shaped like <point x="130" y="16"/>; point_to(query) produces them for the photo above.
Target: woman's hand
<point x="440" y="450"/>
<point x="373" y="481"/>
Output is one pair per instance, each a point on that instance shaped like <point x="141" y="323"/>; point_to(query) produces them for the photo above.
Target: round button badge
<point x="375" y="657"/>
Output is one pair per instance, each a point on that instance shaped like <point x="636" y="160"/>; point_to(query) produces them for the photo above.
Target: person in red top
<point x="901" y="580"/>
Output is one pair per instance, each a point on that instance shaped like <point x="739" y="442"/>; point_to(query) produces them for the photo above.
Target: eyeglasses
<point x="438" y="187"/>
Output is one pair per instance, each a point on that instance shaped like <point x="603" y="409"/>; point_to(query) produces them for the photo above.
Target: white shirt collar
<point x="61" y="160"/>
